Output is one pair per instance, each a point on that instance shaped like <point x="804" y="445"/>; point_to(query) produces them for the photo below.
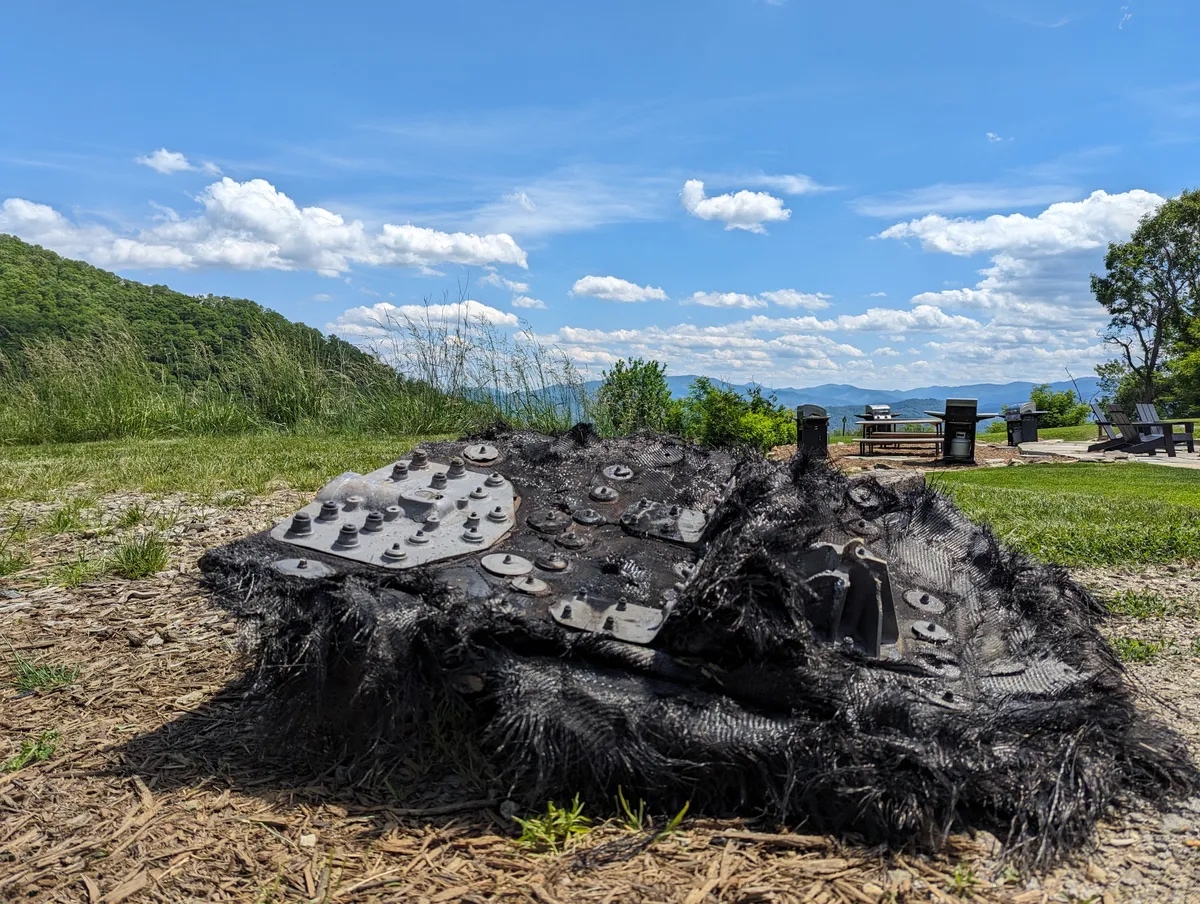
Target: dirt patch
<point x="153" y="792"/>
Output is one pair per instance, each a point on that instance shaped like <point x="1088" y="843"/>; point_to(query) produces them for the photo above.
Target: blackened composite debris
<point x="756" y="638"/>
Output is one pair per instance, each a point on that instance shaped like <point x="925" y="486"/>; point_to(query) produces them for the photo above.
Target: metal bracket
<point x="855" y="605"/>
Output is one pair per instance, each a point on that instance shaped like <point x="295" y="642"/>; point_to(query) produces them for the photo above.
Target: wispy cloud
<point x="168" y="162"/>
<point x="797" y="184"/>
<point x="1126" y="15"/>
<point x="961" y="198"/>
<point x="574" y="199"/>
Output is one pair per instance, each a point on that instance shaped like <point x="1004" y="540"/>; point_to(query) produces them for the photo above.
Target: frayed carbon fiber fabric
<point x="997" y="706"/>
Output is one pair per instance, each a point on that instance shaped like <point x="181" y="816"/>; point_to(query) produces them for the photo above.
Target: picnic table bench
<point x="880" y="433"/>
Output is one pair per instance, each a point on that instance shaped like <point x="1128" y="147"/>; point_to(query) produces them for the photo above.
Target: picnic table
<point x="879" y="433"/>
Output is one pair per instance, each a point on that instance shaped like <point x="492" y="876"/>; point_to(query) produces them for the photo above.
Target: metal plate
<point x="506" y="565"/>
<point x="588" y="517"/>
<point x="549" y="521"/>
<point x="618" y="472"/>
<point x="624" y="621"/>
<point x="434" y="510"/>
<point x="931" y="632"/>
<point x="531" y="585"/>
<point x="302" y="568"/>
<point x="481" y="454"/>
<point x="924" y="602"/>
<point x="666" y="522"/>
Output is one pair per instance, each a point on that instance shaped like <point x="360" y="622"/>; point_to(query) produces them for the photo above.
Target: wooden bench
<point x="901" y="439"/>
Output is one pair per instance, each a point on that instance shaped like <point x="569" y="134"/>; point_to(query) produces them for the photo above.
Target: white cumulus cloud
<point x="254" y="226"/>
<point x="787" y="298"/>
<point x="747" y="210"/>
<point x="385" y="320"/>
<point x="610" y="288"/>
<point x="167" y="162"/>
<point x="790" y="298"/>
<point x="725" y="300"/>
<point x="524" y="301"/>
<point x="1066" y="226"/>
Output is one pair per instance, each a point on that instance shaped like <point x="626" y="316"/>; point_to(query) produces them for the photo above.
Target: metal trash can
<point x="959" y="439"/>
<point x="812" y="429"/>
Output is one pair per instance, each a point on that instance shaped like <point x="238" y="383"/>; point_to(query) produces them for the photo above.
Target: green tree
<point x="1063" y="409"/>
<point x="633" y="395"/>
<point x="1151" y="290"/>
<point x="718" y="416"/>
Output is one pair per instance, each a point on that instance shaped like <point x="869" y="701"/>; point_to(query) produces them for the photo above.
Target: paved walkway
<point x="1078" y="451"/>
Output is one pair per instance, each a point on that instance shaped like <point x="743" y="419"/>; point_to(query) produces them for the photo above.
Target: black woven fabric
<point x="1021" y="723"/>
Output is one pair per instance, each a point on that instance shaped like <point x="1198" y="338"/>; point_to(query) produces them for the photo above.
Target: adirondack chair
<point x="1146" y="413"/>
<point x="1115" y="439"/>
<point x="1130" y="432"/>
<point x="1151" y="425"/>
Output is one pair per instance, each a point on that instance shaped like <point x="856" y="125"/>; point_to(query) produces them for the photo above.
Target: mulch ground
<point x="157" y="791"/>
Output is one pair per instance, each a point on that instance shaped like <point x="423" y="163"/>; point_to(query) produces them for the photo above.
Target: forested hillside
<point x="47" y="297"/>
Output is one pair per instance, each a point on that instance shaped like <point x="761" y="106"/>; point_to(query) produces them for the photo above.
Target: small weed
<point x="673" y="823"/>
<point x="132" y="516"/>
<point x="140" y="557"/>
<point x="633" y="820"/>
<point x="232" y="498"/>
<point x="556" y="829"/>
<point x="1196" y="646"/>
<point x="75" y="573"/>
<point x="166" y="522"/>
<point x="28" y="675"/>
<point x="269" y="893"/>
<point x="33" y="752"/>
<point x="1142" y="604"/>
<point x="66" y="519"/>
<point x="1131" y="649"/>
<point x="1010" y="876"/>
<point x="12" y="559"/>
<point x="964" y="881"/>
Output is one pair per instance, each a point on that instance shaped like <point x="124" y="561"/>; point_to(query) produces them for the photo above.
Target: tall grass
<point x="446" y="372"/>
<point x="456" y="352"/>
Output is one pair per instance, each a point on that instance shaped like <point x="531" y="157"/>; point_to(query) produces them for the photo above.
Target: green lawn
<point x="1086" y="514"/>
<point x="200" y="465"/>
<point x="1073" y="514"/>
<point x="1082" y="433"/>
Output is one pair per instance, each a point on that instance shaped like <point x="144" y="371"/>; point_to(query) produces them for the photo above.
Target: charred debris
<point x="758" y="638"/>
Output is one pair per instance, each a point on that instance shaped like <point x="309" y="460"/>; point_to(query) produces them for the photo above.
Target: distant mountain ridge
<point x="844" y="400"/>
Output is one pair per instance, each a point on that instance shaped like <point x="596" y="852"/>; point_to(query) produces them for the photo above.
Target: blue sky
<point x="870" y="192"/>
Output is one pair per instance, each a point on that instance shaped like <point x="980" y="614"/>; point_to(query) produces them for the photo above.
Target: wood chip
<point x="127" y="888"/>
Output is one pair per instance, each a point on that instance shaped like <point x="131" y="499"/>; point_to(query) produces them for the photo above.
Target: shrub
<point x="723" y="417"/>
<point x="1063" y="409"/>
<point x="633" y="395"/>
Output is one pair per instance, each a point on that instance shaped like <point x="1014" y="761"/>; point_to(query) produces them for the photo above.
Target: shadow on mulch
<point x="227" y="742"/>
